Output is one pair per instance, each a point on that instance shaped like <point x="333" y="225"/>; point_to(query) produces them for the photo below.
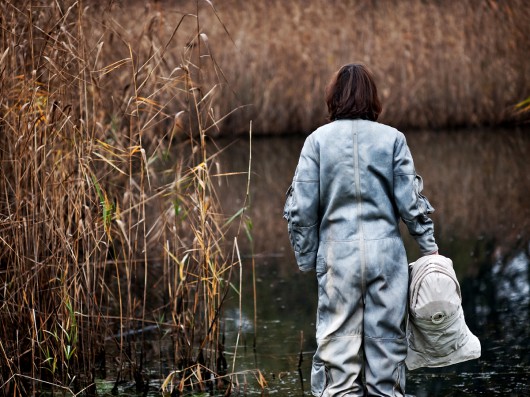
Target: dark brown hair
<point x="352" y="94"/>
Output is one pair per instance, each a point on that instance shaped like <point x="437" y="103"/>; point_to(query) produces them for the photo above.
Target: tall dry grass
<point x="100" y="235"/>
<point x="437" y="63"/>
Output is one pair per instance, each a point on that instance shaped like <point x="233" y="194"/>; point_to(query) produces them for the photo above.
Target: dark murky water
<point x="479" y="183"/>
<point x="496" y="308"/>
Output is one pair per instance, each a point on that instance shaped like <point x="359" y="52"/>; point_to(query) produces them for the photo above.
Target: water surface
<point x="479" y="183"/>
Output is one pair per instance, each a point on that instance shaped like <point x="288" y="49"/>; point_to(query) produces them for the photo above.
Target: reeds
<point x="437" y="64"/>
<point x="100" y="234"/>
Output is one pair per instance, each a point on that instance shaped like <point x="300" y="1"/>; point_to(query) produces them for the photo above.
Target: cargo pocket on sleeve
<point x="288" y="203"/>
<point x="423" y="204"/>
<point x="287" y="215"/>
<point x="318" y="378"/>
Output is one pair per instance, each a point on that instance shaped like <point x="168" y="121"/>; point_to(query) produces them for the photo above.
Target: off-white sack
<point x="437" y="332"/>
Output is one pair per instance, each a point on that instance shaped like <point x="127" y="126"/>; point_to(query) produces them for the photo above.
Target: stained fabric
<point x="354" y="181"/>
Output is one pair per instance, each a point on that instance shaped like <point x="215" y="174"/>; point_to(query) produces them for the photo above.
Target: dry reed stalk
<point x="89" y="220"/>
<point x="437" y="64"/>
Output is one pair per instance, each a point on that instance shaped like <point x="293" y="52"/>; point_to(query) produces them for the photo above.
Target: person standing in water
<point x="354" y="181"/>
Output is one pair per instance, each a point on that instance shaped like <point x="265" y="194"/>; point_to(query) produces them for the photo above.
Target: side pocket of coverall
<point x="318" y="378"/>
<point x="399" y="376"/>
<point x="321" y="270"/>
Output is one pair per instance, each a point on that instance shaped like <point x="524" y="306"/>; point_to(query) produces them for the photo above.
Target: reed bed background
<point x="437" y="63"/>
<point x="101" y="236"/>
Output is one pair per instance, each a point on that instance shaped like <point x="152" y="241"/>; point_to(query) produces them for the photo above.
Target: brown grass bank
<point x="100" y="236"/>
<point x="438" y="63"/>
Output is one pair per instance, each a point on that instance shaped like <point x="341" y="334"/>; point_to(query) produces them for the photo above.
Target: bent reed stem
<point x="109" y="218"/>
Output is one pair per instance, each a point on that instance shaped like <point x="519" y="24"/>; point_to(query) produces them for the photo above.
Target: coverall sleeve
<point x="413" y="207"/>
<point x="302" y="208"/>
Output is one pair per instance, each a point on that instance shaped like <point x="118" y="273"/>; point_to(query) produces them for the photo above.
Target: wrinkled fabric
<point x="354" y="181"/>
<point x="437" y="332"/>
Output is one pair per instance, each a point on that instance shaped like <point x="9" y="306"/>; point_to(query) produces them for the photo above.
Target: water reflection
<point x="512" y="291"/>
<point x="479" y="183"/>
<point x="496" y="309"/>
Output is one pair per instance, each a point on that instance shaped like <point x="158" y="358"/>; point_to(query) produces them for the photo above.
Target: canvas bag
<point x="437" y="332"/>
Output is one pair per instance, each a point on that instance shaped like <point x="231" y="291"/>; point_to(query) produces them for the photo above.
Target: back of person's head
<point x="352" y="94"/>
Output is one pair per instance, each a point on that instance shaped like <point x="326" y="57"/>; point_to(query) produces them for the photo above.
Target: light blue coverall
<point x="355" y="179"/>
